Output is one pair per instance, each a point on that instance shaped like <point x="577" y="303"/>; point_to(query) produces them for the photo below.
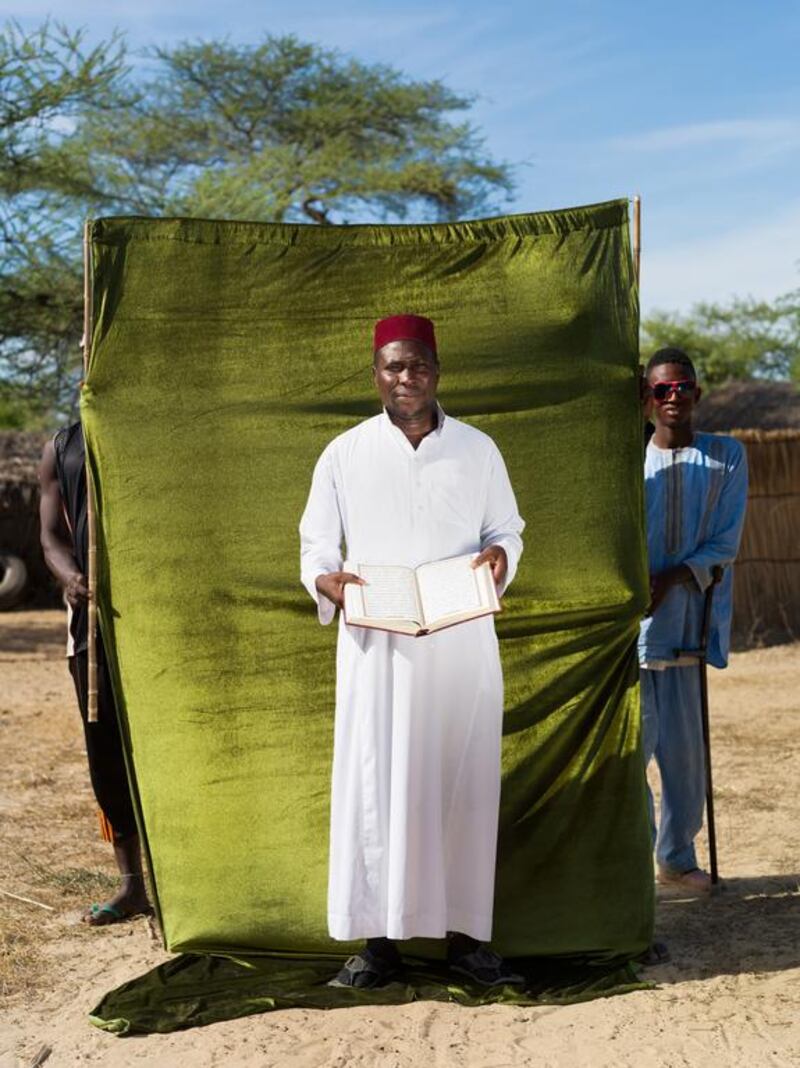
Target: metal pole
<point x="91" y="530"/>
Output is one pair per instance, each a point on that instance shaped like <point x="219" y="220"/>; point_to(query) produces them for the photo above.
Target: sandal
<point x="105" y="915"/>
<point x="484" y="967"/>
<point x="656" y="953"/>
<point x="366" y="971"/>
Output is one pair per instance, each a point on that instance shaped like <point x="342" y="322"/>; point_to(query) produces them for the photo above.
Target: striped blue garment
<point x="695" y="498"/>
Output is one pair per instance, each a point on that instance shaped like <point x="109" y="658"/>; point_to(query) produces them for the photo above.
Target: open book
<point x="420" y="600"/>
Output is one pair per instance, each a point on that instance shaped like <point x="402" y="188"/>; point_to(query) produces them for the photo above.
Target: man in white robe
<point x="416" y="766"/>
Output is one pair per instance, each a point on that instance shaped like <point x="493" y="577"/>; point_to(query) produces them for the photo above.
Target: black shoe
<point x="484" y="967"/>
<point x="367" y="971"/>
<point x="655" y="954"/>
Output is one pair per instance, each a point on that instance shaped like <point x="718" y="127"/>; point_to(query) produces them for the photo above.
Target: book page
<point x="449" y="587"/>
<point x="390" y="593"/>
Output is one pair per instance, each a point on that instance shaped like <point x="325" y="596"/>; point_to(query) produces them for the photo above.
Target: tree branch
<point x="316" y="214"/>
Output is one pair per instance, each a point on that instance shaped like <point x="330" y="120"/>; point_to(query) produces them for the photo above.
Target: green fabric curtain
<point x="224" y="356"/>
<point x="192" y="990"/>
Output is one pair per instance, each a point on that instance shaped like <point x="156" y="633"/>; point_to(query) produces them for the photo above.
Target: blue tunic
<point x="695" y="499"/>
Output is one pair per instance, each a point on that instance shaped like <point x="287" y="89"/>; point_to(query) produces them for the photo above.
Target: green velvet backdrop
<point x="224" y="356"/>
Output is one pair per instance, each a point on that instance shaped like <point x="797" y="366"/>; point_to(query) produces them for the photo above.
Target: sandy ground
<point x="731" y="996"/>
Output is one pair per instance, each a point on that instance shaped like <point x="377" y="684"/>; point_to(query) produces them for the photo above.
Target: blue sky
<point x="696" y="106"/>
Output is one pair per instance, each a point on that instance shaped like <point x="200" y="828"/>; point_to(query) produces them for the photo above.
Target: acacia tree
<point x="47" y="79"/>
<point x="746" y="338"/>
<point x="284" y="130"/>
<point x="278" y="131"/>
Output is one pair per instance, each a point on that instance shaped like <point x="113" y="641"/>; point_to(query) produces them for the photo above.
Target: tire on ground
<point x="13" y="580"/>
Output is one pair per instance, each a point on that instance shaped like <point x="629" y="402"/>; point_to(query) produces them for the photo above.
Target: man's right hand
<point x="76" y="589"/>
<point x="332" y="585"/>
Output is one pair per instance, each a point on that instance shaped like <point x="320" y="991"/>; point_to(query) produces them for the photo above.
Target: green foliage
<point x="284" y="130"/>
<point x="744" y="339"/>
<point x="41" y="317"/>
<point x="277" y="131"/>
<point x="15" y="414"/>
<point x="47" y="80"/>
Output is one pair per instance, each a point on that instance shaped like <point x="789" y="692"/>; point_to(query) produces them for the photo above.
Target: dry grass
<point x="25" y="928"/>
<point x="22" y="966"/>
<point x="49" y="847"/>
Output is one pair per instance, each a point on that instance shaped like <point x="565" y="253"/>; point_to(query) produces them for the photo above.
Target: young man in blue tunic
<point x="696" y="494"/>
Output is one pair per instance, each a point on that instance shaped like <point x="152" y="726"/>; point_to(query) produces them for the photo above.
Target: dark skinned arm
<point x="662" y="583"/>
<point x="55" y="537"/>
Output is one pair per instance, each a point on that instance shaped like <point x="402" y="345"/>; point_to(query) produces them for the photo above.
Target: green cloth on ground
<point x="224" y="357"/>
<point x="194" y="990"/>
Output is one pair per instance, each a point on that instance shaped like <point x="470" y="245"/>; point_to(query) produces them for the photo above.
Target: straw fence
<point x="767" y="575"/>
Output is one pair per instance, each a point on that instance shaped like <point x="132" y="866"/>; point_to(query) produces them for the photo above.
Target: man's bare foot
<point x="695" y="881"/>
<point x="130" y="900"/>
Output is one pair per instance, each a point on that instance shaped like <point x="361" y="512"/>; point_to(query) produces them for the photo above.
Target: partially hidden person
<point x="695" y="498"/>
<point x="63" y="515"/>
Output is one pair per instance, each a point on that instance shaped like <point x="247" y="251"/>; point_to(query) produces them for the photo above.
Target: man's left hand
<point x="496" y="557"/>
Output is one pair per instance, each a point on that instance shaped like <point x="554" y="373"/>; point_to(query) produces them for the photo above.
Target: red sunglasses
<point x="661" y="390"/>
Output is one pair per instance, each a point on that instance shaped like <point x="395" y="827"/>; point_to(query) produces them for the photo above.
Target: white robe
<point x="416" y="765"/>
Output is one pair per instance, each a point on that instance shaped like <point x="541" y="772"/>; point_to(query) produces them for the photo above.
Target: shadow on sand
<point x="746" y="925"/>
<point x="21" y="635"/>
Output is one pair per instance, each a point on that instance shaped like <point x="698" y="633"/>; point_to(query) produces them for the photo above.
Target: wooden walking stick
<point x="637" y="236"/>
<point x="701" y="653"/>
<point x="91" y="532"/>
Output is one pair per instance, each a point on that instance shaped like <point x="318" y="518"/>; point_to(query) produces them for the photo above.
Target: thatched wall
<point x="20" y="452"/>
<point x="767" y="577"/>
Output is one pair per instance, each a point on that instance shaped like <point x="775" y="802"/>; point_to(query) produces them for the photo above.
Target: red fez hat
<point x="404" y="328"/>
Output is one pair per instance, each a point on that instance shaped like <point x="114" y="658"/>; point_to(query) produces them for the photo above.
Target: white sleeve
<point x="502" y="524"/>
<point x="321" y="535"/>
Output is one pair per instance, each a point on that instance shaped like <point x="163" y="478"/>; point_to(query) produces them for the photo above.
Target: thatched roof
<point x="750" y="405"/>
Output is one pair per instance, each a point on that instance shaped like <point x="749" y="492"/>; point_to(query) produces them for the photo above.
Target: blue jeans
<point x="673" y="733"/>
